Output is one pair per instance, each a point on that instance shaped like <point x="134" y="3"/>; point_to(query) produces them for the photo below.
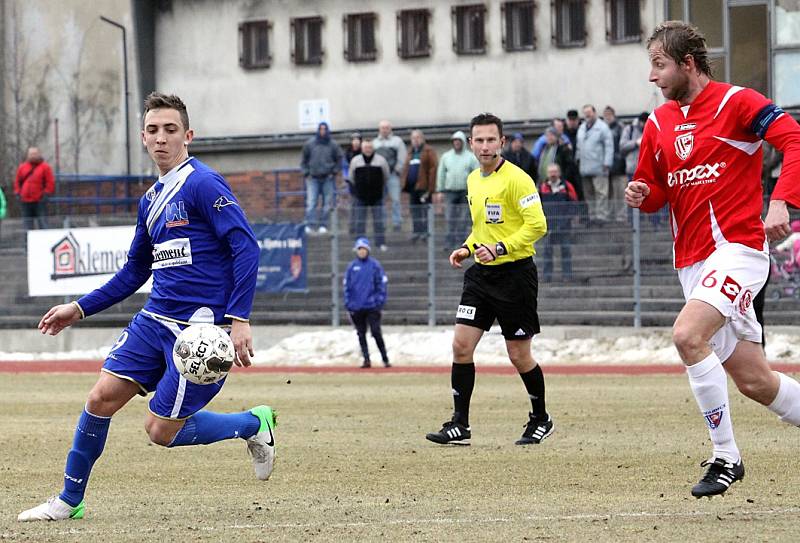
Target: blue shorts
<point x="143" y="354"/>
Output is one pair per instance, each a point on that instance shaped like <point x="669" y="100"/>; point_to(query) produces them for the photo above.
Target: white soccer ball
<point x="203" y="353"/>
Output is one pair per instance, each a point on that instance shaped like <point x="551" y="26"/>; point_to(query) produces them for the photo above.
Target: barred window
<point x="569" y="23"/>
<point x="518" y="33"/>
<point x="468" y="28"/>
<point x="254" y="44"/>
<point x="623" y="21"/>
<point x="359" y="37"/>
<point x="412" y="33"/>
<point x="307" y="40"/>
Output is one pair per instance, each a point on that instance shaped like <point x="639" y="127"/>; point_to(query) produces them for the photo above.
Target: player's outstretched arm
<point x="636" y="192"/>
<point x="458" y="256"/>
<point x="242" y="338"/>
<point x="59" y="317"/>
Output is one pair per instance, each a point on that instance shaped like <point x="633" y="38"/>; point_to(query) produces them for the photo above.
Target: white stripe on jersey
<point x="749" y="147"/>
<point x="731" y="91"/>
<point x="173" y="182"/>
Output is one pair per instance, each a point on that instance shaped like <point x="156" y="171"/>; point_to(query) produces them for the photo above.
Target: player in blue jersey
<point x="194" y="239"/>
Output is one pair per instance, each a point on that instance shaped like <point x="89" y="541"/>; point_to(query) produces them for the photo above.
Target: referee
<point x="507" y="219"/>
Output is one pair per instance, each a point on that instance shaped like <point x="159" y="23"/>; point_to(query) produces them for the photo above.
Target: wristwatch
<point x="500" y="249"/>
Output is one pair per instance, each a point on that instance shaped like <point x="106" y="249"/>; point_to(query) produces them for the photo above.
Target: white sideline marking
<point x="586" y="516"/>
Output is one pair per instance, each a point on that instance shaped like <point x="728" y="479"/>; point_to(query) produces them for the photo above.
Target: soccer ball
<point x="203" y="353"/>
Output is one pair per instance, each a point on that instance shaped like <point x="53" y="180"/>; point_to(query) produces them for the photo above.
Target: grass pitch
<point x="353" y="465"/>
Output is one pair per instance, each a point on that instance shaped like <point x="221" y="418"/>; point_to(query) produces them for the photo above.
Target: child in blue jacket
<point x="364" y="296"/>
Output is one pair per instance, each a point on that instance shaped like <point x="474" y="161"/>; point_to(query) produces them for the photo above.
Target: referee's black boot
<point x="452" y="433"/>
<point x="536" y="430"/>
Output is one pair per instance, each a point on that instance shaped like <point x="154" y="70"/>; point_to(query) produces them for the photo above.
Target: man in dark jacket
<point x="516" y="153"/>
<point x="369" y="173"/>
<point x="322" y="158"/>
<point x="364" y="297"/>
<point x="419" y="181"/>
<point x="559" y="203"/>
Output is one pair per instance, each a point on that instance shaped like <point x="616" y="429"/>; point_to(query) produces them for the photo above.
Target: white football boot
<point x="261" y="446"/>
<point x="53" y="509"/>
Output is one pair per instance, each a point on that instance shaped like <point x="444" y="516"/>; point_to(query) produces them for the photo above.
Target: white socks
<point x="709" y="384"/>
<point x="787" y="402"/>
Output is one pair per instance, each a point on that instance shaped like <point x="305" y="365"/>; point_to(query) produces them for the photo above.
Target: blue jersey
<point x="194" y="238"/>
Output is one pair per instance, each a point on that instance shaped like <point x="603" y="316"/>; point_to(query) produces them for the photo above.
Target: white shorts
<point x="728" y="280"/>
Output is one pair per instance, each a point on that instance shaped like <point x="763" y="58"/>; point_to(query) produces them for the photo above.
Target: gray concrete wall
<point x="443" y="89"/>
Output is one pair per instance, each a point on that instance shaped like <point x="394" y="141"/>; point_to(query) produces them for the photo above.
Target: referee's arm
<point x="534" y="225"/>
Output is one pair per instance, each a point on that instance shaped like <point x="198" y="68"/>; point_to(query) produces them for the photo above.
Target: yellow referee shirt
<point x="505" y="206"/>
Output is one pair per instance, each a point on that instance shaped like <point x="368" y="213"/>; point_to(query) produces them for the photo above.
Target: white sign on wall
<point x="313" y="112"/>
<point x="78" y="260"/>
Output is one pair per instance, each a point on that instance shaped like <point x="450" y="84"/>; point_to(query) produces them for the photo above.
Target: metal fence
<point x="617" y="273"/>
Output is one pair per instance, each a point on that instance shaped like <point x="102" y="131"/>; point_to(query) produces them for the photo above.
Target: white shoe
<point x="384" y="248"/>
<point x="309" y="230"/>
<point x="262" y="445"/>
<point x="53" y="509"/>
<point x="322" y="230"/>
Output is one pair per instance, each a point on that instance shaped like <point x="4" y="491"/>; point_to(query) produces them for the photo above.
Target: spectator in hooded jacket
<point x="364" y="297"/>
<point x="33" y="184"/>
<point x="321" y="161"/>
<point x="451" y="187"/>
<point x="419" y="181"/>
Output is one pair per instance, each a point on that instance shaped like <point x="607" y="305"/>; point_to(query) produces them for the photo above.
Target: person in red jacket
<point x="701" y="153"/>
<point x="33" y="184"/>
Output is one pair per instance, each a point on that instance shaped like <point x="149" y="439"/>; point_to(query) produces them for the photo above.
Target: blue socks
<point x="87" y="446"/>
<point x="206" y="427"/>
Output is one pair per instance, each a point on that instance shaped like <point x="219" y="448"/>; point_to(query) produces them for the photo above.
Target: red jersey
<point x="704" y="159"/>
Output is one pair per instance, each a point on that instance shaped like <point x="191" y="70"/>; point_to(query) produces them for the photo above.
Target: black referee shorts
<point x="506" y="292"/>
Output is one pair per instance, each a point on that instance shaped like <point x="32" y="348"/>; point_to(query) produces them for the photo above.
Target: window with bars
<point x="412" y="33"/>
<point x="254" y="44"/>
<point x="468" y="28"/>
<point x="623" y="21"/>
<point x="307" y="40"/>
<point x="518" y="33"/>
<point x="569" y="23"/>
<point x="359" y="37"/>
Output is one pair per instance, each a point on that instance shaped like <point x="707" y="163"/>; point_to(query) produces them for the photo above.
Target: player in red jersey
<point x="701" y="154"/>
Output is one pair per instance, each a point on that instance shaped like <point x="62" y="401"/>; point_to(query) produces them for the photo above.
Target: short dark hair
<point x="482" y="119"/>
<point x="572" y="114"/>
<point x="157" y="100"/>
<point x="680" y="39"/>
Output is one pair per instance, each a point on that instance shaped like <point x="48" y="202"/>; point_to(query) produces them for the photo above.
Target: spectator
<point x="555" y="152"/>
<point x="451" y="187"/>
<point x="393" y="149"/>
<point x="618" y="211"/>
<point x="558" y="200"/>
<point x="595" y="154"/>
<point x="352" y="150"/>
<point x="516" y="153"/>
<point x="2" y="205"/>
<point x="320" y="164"/>
<point x="556" y="124"/>
<point x="364" y="297"/>
<point x="369" y="172"/>
<point x="33" y="184"/>
<point x="571" y="127"/>
<point x="419" y="180"/>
